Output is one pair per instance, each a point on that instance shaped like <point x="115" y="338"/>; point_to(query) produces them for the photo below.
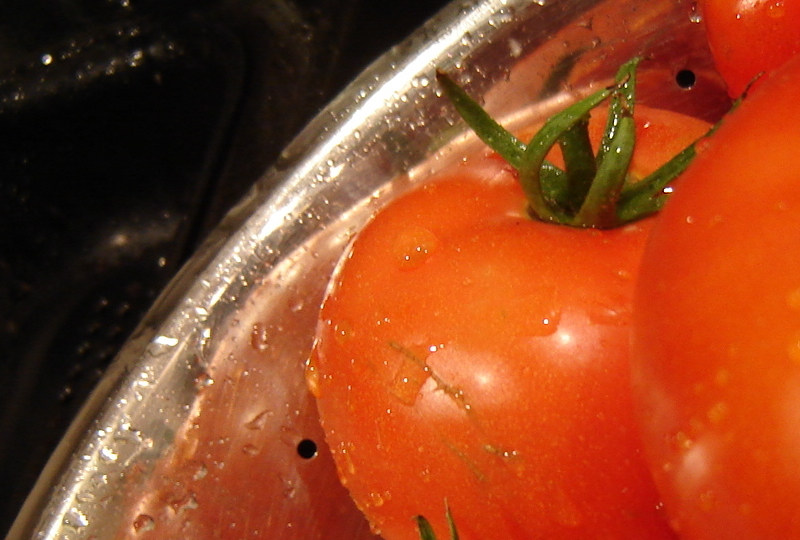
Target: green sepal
<point x="615" y="151"/>
<point x="579" y="166"/>
<point x="538" y="148"/>
<point x="593" y="190"/>
<point x="426" y="531"/>
<point x="485" y="127"/>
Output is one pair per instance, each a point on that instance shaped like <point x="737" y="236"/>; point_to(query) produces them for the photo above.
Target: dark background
<point x="127" y="129"/>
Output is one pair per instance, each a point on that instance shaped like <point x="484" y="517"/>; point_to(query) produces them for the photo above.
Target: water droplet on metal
<point x="143" y="523"/>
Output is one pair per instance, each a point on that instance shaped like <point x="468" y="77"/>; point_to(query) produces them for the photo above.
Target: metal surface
<point x="203" y="427"/>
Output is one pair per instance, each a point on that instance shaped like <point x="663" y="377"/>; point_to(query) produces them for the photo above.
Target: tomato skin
<point x="717" y="328"/>
<point x="467" y="353"/>
<point x="749" y="37"/>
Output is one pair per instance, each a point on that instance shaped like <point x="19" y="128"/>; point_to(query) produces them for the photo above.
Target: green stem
<point x="592" y="190"/>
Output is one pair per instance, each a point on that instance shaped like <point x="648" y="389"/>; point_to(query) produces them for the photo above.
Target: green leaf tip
<point x="426" y="530"/>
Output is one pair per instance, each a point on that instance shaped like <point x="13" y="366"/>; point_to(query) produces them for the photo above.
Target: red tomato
<point x="470" y="354"/>
<point x="717" y="328"/>
<point x="748" y="37"/>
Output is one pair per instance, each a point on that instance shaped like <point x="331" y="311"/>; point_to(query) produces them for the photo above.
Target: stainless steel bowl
<point x="203" y="427"/>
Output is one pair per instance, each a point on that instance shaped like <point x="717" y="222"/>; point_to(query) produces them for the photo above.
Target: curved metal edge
<point x="210" y="282"/>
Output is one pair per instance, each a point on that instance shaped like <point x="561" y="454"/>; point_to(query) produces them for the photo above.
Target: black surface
<point x="127" y="129"/>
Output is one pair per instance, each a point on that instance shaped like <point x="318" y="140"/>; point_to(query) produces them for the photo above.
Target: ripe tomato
<point x="716" y="350"/>
<point x="748" y="37"/>
<point x="470" y="354"/>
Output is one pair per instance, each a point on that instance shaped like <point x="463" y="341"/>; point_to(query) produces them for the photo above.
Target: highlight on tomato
<point x="473" y="349"/>
<point x="749" y="38"/>
<point x="716" y="349"/>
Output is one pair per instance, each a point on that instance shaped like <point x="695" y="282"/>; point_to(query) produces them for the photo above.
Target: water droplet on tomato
<point x="412" y="246"/>
<point x="609" y="315"/>
<point x="547" y="325"/>
<point x="412" y="374"/>
<point x="342" y="331"/>
<point x="708" y="500"/>
<point x="793" y="349"/>
<point x="776" y="10"/>
<point x="379" y="499"/>
<point x="793" y="299"/>
<point x="343" y="450"/>
<point x="682" y="441"/>
<point x="408" y="382"/>
<point x="312" y="376"/>
<point x="250" y="450"/>
<point x="718" y="412"/>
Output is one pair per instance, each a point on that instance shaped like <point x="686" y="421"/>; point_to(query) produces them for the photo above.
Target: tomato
<point x="470" y="354"/>
<point x="748" y="37"/>
<point x="716" y="354"/>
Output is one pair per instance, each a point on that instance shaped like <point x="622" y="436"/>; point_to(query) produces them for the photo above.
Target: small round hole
<point x="685" y="78"/>
<point x="307" y="449"/>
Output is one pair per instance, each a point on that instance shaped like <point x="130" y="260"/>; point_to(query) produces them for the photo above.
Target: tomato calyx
<point x="426" y="530"/>
<point x="594" y="189"/>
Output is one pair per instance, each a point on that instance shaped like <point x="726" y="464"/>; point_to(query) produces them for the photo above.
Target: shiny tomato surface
<point x="717" y="328"/>
<point x="748" y="37"/>
<point x="470" y="354"/>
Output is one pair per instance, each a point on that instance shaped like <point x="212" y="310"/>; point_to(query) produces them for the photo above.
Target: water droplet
<point x="793" y="348"/>
<point x="376" y="500"/>
<point x="166" y="341"/>
<point x="718" y="412"/>
<point x="548" y="325"/>
<point x="250" y="450"/>
<point x="695" y="16"/>
<point x="313" y="377"/>
<point x="143" y="523"/>
<point x="108" y="454"/>
<point x="413" y="246"/>
<point x="343" y="331"/>
<point x="343" y="450"/>
<point x="776" y="10"/>
<point x="259" y="421"/>
<point x="201" y="471"/>
<point x="290" y="489"/>
<point x="259" y="337"/>
<point x="410" y="377"/>
<point x="203" y="380"/>
<point x="75" y="518"/>
<point x="682" y="441"/>
<point x="722" y="377"/>
<point x="86" y="496"/>
<point x="422" y="81"/>
<point x="609" y="315"/>
<point x="185" y="501"/>
<point x="793" y="299"/>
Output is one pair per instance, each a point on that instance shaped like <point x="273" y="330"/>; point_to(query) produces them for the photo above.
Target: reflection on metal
<point x="209" y="398"/>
